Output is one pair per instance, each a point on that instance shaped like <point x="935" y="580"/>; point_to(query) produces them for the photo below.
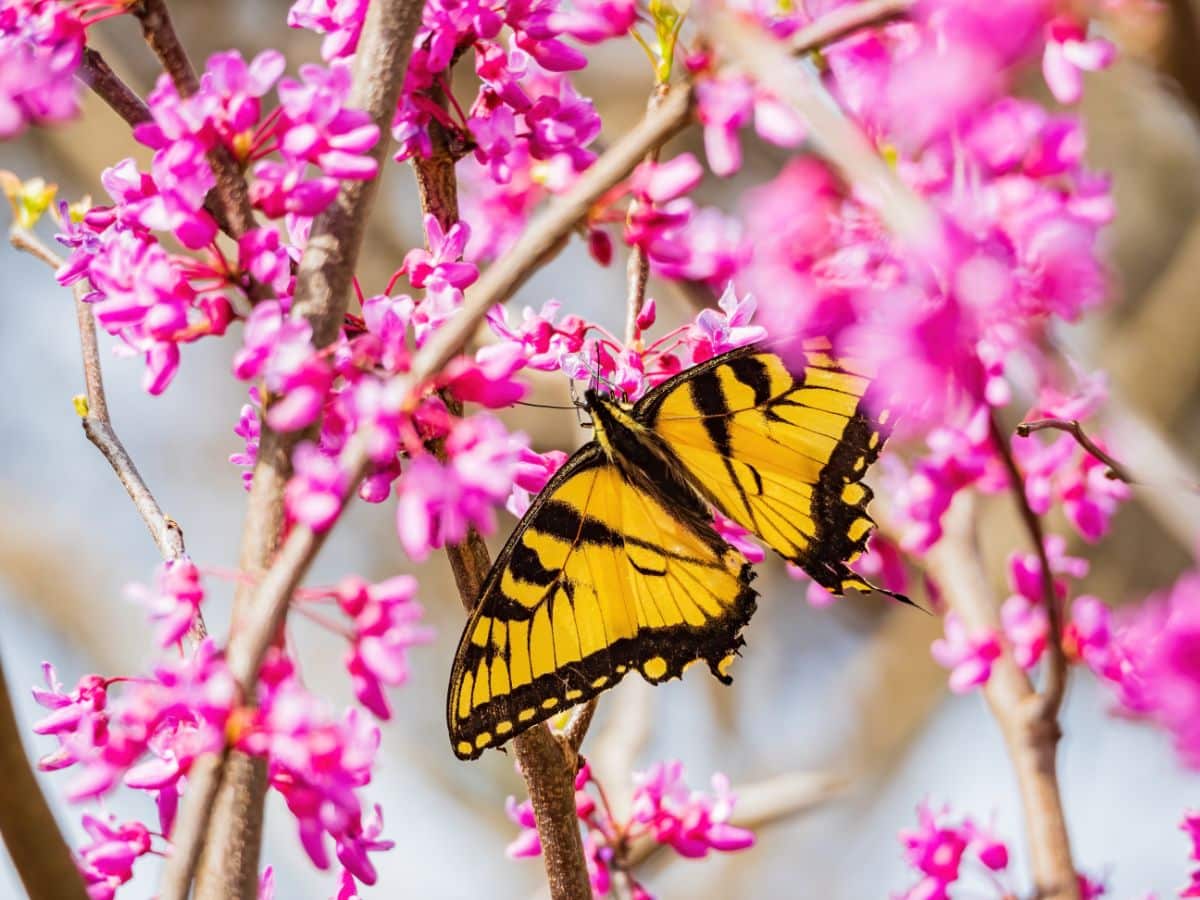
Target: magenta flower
<point x="534" y="471"/>
<point x="340" y="21"/>
<point x="174" y="600"/>
<point x="1068" y="54"/>
<point x="938" y="847"/>
<point x="1026" y="627"/>
<point x="968" y="656"/>
<point x="1191" y="825"/>
<point x="317" y="489"/>
<point x="83" y="711"/>
<point x="385" y="627"/>
<point x="692" y="823"/>
<point x="595" y="21"/>
<point x="438" y="502"/>
<point x="41" y="46"/>
<point x="106" y="862"/>
<point x="715" y="332"/>
<point x="249" y="430"/>
<point x="439" y="268"/>
<point x="278" y="348"/>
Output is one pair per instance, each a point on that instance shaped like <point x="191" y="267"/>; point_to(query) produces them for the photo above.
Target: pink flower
<point x="969" y="657"/>
<point x="340" y="21"/>
<point x="934" y="849"/>
<point x="690" y="822"/>
<point x="41" y="46"/>
<point x="438" y="269"/>
<point x="1026" y="626"/>
<point x="83" y="711"/>
<point x="594" y="21"/>
<point x="248" y="429"/>
<point x="385" y="627"/>
<point x="175" y="599"/>
<point x="715" y="332"/>
<point x="317" y="489"/>
<point x="278" y="348"/>
<point x="527" y="843"/>
<point x="438" y="502"/>
<point x="1191" y="826"/>
<point x="488" y="380"/>
<point x="1068" y="54"/>
<point x="534" y="471"/>
<point x="106" y="862"/>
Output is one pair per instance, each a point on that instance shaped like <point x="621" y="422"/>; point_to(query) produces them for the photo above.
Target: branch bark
<point x="229" y="865"/>
<point x="1030" y="736"/>
<point x="845" y="20"/>
<point x="547" y="767"/>
<point x="36" y="846"/>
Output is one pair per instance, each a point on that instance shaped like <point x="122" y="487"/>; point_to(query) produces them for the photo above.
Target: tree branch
<point x="36" y="846"/>
<point x="845" y="20"/>
<point x="833" y="135"/>
<point x="1030" y="737"/>
<point x="228" y="866"/>
<point x="233" y="197"/>
<point x="95" y="72"/>
<point x="97" y="424"/>
<point x="548" y="771"/>
<point x="1055" y="685"/>
<point x="1072" y="427"/>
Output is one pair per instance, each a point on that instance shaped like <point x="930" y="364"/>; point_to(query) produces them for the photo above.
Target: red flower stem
<point x="267" y="608"/>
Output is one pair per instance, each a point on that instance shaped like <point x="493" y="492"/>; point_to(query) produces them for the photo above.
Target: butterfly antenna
<point x="574" y="405"/>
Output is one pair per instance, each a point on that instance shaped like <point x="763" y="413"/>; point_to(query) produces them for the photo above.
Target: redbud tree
<point x="923" y="208"/>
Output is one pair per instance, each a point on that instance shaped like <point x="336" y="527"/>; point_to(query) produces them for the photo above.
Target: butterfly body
<point x="616" y="565"/>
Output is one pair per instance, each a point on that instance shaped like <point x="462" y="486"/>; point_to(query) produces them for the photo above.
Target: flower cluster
<point x="1148" y="654"/>
<point x="939" y="846"/>
<point x="1191" y="825"/>
<point x="663" y="809"/>
<point x="1024" y="619"/>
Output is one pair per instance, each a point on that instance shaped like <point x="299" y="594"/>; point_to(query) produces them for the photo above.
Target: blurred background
<point x="838" y="723"/>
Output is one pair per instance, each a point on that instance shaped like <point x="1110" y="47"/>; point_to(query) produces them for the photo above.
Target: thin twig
<point x="845" y="20"/>
<point x="31" y="835"/>
<point x="637" y="272"/>
<point x="1055" y="683"/>
<point x="97" y="424"/>
<point x="1029" y="736"/>
<point x="1072" y="427"/>
<point x="832" y="134"/>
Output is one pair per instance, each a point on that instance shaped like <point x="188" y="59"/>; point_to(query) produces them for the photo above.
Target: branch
<point x="97" y="424"/>
<point x="845" y="20"/>
<point x="36" y="846"/>
<point x="549" y="772"/>
<point x="1055" y="685"/>
<point x="223" y="810"/>
<point x="1072" y="427"/>
<point x="158" y="29"/>
<point x="268" y="609"/>
<point x="1030" y="737"/>
<point x="833" y="135"/>
<point x="95" y="72"/>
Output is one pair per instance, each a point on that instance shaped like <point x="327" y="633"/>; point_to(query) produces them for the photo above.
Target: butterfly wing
<point x="599" y="578"/>
<point x="781" y="454"/>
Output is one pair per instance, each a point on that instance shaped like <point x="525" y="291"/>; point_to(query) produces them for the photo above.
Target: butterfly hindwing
<point x="780" y="452"/>
<point x="599" y="578"/>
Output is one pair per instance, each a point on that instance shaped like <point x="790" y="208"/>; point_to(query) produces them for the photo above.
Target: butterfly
<point x="616" y="565"/>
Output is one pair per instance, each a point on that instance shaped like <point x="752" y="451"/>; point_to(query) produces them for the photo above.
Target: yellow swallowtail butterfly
<point x="616" y="565"/>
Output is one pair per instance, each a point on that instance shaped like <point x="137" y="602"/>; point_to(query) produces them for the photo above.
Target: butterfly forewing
<point x="780" y="452"/>
<point x="598" y="579"/>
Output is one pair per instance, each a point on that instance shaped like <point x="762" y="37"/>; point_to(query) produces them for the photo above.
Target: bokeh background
<point x="838" y="723"/>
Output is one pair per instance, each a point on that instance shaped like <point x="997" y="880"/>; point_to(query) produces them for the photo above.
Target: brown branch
<point x="233" y="197"/>
<point x="1055" y="685"/>
<point x="1072" y="427"/>
<point x="97" y="424"/>
<point x="36" y="846"/>
<point x="95" y="72"/>
<point x="637" y="272"/>
<point x="845" y="20"/>
<point x="1030" y="737"/>
<point x="227" y="820"/>
<point x="832" y="134"/>
<point x="548" y="770"/>
<point x="268" y="609"/>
